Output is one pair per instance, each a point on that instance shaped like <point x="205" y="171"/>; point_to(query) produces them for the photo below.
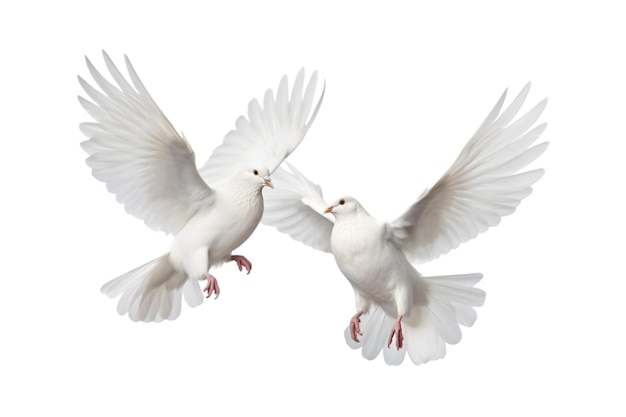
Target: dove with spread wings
<point x="210" y="211"/>
<point x="393" y="300"/>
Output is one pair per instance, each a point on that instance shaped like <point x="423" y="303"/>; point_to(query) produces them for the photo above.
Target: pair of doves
<point x="211" y="211"/>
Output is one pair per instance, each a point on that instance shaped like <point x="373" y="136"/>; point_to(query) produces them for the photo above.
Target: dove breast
<point x="372" y="264"/>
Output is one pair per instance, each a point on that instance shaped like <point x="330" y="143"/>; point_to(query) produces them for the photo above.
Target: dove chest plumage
<point x="236" y="222"/>
<point x="212" y="235"/>
<point x="363" y="255"/>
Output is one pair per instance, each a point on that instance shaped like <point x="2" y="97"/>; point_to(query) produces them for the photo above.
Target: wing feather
<point x="296" y="209"/>
<point x="269" y="134"/>
<point x="480" y="187"/>
<point x="137" y="153"/>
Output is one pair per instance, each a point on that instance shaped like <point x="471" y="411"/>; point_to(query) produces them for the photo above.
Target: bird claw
<point x="242" y="262"/>
<point x="355" y="327"/>
<point x="396" y="330"/>
<point x="211" y="286"/>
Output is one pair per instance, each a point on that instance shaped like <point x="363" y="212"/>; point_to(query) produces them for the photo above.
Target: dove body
<point x="209" y="238"/>
<point x="376" y="269"/>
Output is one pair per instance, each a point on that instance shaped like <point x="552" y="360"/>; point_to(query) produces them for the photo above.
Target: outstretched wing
<point x="269" y="134"/>
<point x="296" y="208"/>
<point x="481" y="186"/>
<point x="135" y="150"/>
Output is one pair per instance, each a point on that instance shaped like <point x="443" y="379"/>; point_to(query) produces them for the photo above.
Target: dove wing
<point x="135" y="150"/>
<point x="480" y="187"/>
<point x="296" y="208"/>
<point x="269" y="134"/>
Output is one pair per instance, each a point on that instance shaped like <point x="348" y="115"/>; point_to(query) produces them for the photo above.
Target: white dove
<point x="392" y="299"/>
<point x="151" y="169"/>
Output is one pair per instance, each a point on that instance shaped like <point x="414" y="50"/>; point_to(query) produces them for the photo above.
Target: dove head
<point x="345" y="205"/>
<point x="252" y="179"/>
<point x="257" y="177"/>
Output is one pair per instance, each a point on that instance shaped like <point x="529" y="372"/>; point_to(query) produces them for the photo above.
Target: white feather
<point x="296" y="208"/>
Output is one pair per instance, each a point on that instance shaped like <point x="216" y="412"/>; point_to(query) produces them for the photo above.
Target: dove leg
<point x="211" y="286"/>
<point x="242" y="262"/>
<point x="403" y="296"/>
<point x="355" y="327"/>
<point x="362" y="305"/>
<point x="396" y="330"/>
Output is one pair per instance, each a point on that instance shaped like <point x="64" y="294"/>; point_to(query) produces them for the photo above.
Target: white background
<point x="407" y="85"/>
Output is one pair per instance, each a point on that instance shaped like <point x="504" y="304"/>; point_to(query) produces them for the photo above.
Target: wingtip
<point x="296" y="91"/>
<point x="107" y="58"/>
<point x="313" y="78"/>
<point x="129" y="66"/>
<point x="83" y="101"/>
<point x="525" y="89"/>
<point x="284" y="82"/>
<point x="88" y="62"/>
<point x="85" y="86"/>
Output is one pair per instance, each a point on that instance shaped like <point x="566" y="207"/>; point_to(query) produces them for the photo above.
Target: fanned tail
<point x="153" y="291"/>
<point x="442" y="303"/>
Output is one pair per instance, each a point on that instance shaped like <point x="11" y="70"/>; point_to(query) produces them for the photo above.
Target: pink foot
<point x="355" y="327"/>
<point x="242" y="262"/>
<point x="397" y="331"/>
<point x="211" y="286"/>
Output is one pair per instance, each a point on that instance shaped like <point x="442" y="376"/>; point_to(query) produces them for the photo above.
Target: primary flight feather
<point x="151" y="169"/>
<point x="393" y="300"/>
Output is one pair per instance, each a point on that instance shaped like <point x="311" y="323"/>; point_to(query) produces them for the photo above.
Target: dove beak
<point x="328" y="209"/>
<point x="268" y="182"/>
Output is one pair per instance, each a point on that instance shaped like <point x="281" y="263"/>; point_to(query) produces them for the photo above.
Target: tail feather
<point x="444" y="303"/>
<point x="455" y="290"/>
<point x="372" y="345"/>
<point x="116" y="286"/>
<point x="465" y="315"/>
<point x="394" y="356"/>
<point x="192" y="293"/>
<point x="153" y="291"/>
<point x="443" y="317"/>
<point x="422" y="341"/>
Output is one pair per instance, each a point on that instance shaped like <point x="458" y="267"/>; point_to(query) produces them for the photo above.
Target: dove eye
<point x="256" y="172"/>
<point x="342" y="202"/>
